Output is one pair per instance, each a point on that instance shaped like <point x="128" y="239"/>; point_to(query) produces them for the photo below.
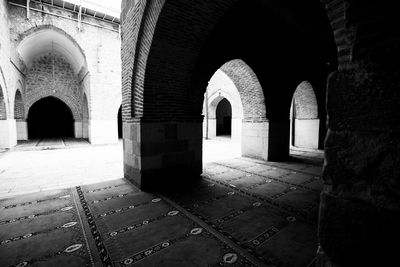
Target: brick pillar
<point x="360" y="203"/>
<point x="162" y="154"/>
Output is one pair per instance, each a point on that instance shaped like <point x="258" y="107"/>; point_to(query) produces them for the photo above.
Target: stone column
<point x="8" y="133"/>
<point x="22" y="129"/>
<point x="360" y="203"/>
<point x="162" y="154"/>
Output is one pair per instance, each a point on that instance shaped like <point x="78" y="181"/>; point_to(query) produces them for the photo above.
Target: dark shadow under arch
<point x="224" y="118"/>
<point x="50" y="117"/>
<point x="120" y="122"/>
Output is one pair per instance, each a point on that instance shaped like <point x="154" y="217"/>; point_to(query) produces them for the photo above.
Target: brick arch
<point x="170" y="49"/>
<point x="249" y="88"/>
<point x="305" y="102"/>
<point x="19" y="110"/>
<point x="146" y="53"/>
<point x="75" y="109"/>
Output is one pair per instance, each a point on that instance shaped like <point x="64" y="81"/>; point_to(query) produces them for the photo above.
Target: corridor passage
<point x="243" y="212"/>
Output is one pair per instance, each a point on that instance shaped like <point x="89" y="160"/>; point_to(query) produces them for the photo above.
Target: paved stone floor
<point x="243" y="212"/>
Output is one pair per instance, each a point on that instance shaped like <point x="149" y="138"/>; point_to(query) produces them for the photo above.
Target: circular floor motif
<point x="291" y="219"/>
<point x="173" y="213"/>
<point x="70" y="224"/>
<point x="293" y="188"/>
<point x="156" y="200"/>
<point x="113" y="233"/>
<point x="128" y="261"/>
<point x="165" y="244"/>
<point x="256" y="204"/>
<point x="230" y="258"/>
<point x="196" y="231"/>
<point x="73" y="248"/>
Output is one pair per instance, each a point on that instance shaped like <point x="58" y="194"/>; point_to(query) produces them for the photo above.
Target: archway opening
<point x="120" y="122"/>
<point x="304" y="124"/>
<point x="50" y="117"/>
<point x="224" y="118"/>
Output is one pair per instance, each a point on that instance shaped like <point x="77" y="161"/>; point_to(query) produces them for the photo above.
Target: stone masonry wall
<point x="100" y="46"/>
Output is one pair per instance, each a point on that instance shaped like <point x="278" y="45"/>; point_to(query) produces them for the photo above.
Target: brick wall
<point x="251" y="93"/>
<point x="51" y="74"/>
<point x="305" y="102"/>
<point x="19" y="110"/>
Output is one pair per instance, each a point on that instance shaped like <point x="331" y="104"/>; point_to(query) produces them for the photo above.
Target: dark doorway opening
<point x="50" y="117"/>
<point x="120" y="122"/>
<point x="224" y="118"/>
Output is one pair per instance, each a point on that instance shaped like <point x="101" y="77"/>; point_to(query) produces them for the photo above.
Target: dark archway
<point x="120" y="122"/>
<point x="224" y="118"/>
<point x="50" y="117"/>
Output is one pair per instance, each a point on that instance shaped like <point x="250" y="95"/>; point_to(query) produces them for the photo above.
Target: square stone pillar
<point x="266" y="140"/>
<point x="103" y="131"/>
<point x="162" y="155"/>
<point x="8" y="133"/>
<point x="22" y="130"/>
<point x="306" y="132"/>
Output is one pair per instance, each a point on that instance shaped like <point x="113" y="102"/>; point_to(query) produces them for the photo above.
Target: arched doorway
<point x="120" y="122"/>
<point x="304" y="124"/>
<point x="50" y="117"/>
<point x="224" y="118"/>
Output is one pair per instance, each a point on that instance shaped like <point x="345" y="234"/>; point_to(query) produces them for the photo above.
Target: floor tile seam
<point x="214" y="232"/>
<point x="35" y="215"/>
<point x="277" y="179"/>
<point x="31" y="261"/>
<point x="32" y="234"/>
<point x="33" y="202"/>
<point x="277" y="166"/>
<point x="125" y="209"/>
<point x="271" y="202"/>
<point x="132" y="227"/>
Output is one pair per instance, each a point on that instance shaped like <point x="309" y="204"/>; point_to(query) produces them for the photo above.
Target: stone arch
<point x="217" y="92"/>
<point x="304" y="125"/>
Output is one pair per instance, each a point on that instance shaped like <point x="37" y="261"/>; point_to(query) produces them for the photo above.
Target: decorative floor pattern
<point x="242" y="213"/>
